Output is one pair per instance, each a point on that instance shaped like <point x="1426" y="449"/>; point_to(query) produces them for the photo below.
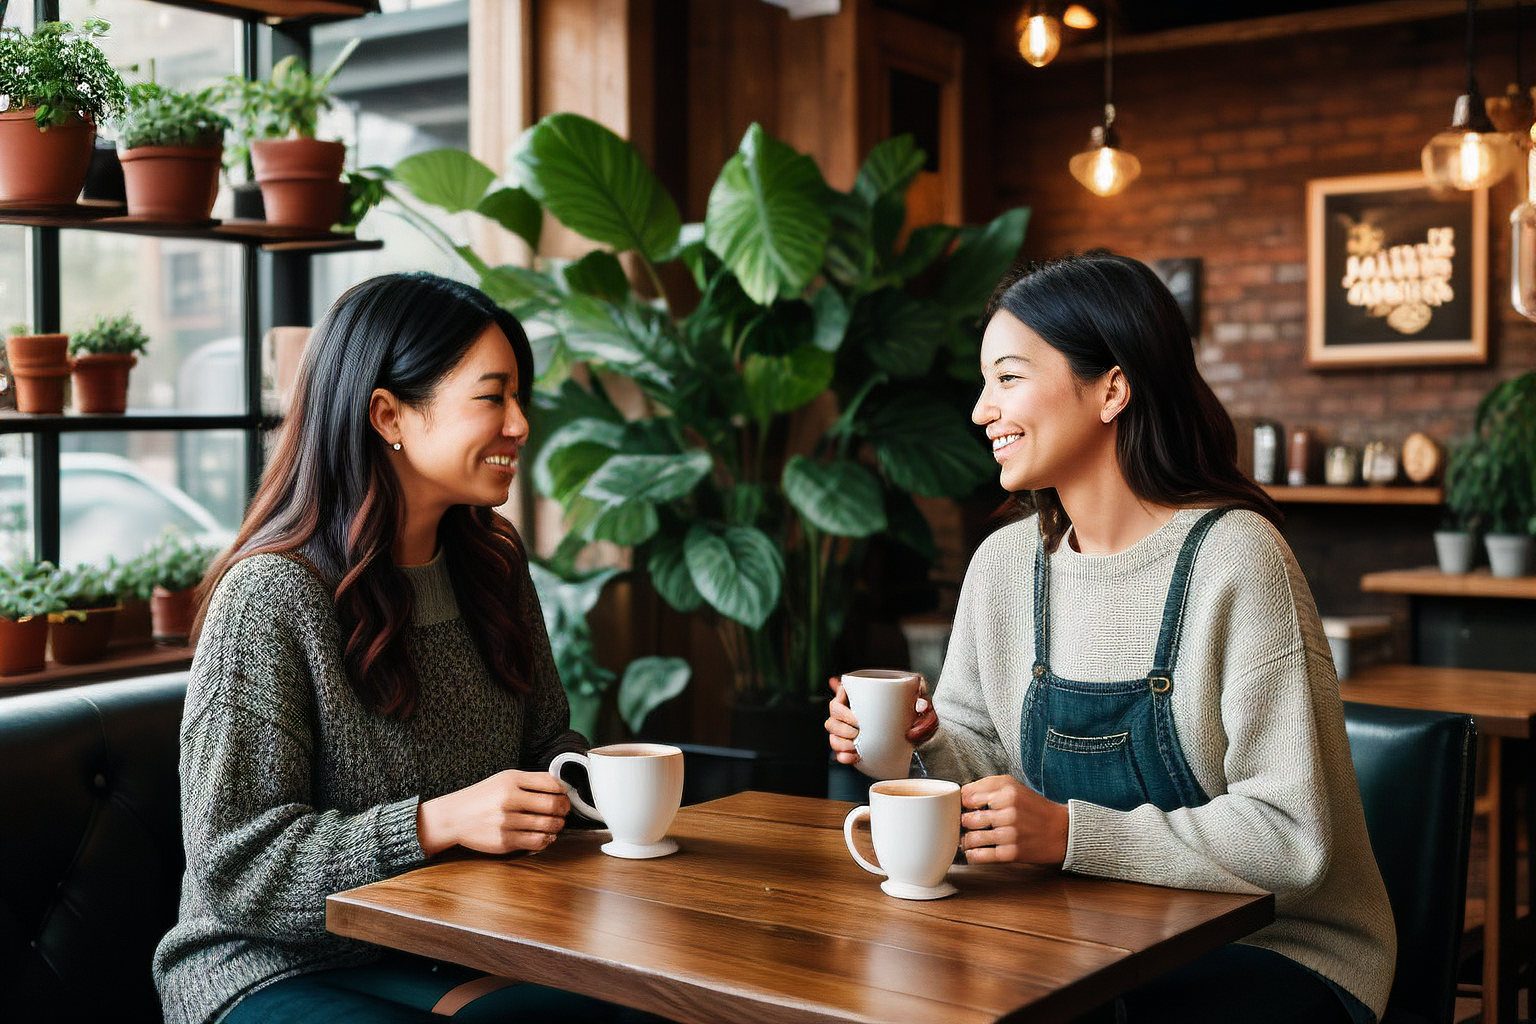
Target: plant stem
<point x="661" y="289"/>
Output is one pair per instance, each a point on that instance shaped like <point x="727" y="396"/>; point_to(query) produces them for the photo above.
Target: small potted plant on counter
<point x="172" y="146"/>
<point x="100" y="358"/>
<point x="133" y="583"/>
<point x="1499" y="474"/>
<point x="39" y="367"/>
<point x="78" y="632"/>
<point x="299" y="175"/>
<point x="26" y="599"/>
<point x="176" y="563"/>
<point x="1463" y="486"/>
<point x="57" y="86"/>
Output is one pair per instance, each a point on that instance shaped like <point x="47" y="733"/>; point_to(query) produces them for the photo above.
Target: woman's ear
<point x="384" y="415"/>
<point x="1117" y="395"/>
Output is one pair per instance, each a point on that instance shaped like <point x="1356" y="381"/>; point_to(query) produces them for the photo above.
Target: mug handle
<point x="854" y="816"/>
<point x="570" y="791"/>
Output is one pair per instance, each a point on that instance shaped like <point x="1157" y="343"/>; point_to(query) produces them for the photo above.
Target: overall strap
<point x="1178" y="593"/>
<point x="1042" y="594"/>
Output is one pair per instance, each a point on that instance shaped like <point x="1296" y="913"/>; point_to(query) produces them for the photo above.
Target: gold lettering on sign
<point x="1404" y="283"/>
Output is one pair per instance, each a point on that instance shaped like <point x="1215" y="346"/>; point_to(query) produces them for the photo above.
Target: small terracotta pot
<point x="43" y="168"/>
<point x="131" y="626"/>
<point x="39" y="367"/>
<point x="101" y="381"/>
<point x="23" y="645"/>
<point x="174" y="184"/>
<point x="173" y="611"/>
<point x="300" y="181"/>
<point x="77" y="640"/>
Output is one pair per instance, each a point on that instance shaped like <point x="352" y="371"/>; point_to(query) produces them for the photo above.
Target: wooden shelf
<point x="1431" y="582"/>
<point x="1324" y="494"/>
<point x="99" y="216"/>
<point x="12" y="422"/>
<point x="276" y="11"/>
<point x="120" y="663"/>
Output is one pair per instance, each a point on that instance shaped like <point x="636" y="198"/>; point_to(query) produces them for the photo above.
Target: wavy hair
<point x="330" y="496"/>
<point x="1175" y="442"/>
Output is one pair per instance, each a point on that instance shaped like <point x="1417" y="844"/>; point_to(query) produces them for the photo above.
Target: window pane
<point x="119" y="491"/>
<point x="15" y="497"/>
<point x="15" y="280"/>
<point x="187" y="49"/>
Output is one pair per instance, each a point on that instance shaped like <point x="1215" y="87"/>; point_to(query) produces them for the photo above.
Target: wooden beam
<point x="1338" y="19"/>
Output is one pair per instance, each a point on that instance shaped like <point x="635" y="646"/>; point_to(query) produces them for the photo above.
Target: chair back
<point x="90" y="848"/>
<point x="1416" y="772"/>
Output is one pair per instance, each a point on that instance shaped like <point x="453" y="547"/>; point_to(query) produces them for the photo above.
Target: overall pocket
<point x="1097" y="769"/>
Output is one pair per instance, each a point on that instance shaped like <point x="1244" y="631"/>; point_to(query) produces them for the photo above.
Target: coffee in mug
<point x="915" y="825"/>
<point x="637" y="788"/>
<point x="885" y="703"/>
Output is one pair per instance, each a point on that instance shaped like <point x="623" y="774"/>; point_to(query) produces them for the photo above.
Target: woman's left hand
<point x="1007" y="822"/>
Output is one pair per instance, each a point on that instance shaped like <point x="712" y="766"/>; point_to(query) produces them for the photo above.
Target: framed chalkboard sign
<point x="1397" y="275"/>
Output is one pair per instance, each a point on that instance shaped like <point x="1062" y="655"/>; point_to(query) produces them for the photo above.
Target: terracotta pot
<point x="174" y="184"/>
<point x="300" y="181"/>
<point x="101" y="381"/>
<point x="131" y="626"/>
<point x="39" y="367"/>
<point x="43" y="168"/>
<point x="77" y="640"/>
<point x="23" y="644"/>
<point x="173" y="612"/>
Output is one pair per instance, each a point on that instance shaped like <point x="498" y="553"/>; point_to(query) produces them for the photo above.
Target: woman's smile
<point x="1003" y="444"/>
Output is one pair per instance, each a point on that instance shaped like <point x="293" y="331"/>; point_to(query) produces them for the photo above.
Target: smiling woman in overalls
<point x="1137" y="685"/>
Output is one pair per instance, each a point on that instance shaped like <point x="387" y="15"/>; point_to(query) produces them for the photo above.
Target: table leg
<point x="1500" y="970"/>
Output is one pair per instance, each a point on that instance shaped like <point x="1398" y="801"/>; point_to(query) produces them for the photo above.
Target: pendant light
<point x="1079" y="17"/>
<point x="1522" y="244"/>
<point x="1039" y="33"/>
<point x="1471" y="153"/>
<point x="1104" y="168"/>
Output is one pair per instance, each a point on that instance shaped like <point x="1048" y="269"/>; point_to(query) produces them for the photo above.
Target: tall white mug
<point x="915" y="825"/>
<point x="885" y="703"/>
<point x="638" y="788"/>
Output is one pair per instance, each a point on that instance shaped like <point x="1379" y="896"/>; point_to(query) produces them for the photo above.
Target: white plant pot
<point x="1508" y="553"/>
<point x="1453" y="550"/>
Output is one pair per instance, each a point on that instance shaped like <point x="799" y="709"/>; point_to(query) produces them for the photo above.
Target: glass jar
<point x="1339" y="465"/>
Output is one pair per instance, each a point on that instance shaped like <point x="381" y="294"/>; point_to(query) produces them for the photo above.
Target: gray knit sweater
<point x="292" y="790"/>
<point x="1256" y="707"/>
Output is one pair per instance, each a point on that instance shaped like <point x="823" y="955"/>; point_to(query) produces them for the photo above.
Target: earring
<point x="397" y="446"/>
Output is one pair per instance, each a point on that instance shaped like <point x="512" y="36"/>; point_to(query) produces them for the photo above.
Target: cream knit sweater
<point x="1256" y="705"/>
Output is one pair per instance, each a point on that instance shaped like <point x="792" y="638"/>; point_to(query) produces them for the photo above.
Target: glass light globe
<point x="1079" y="17"/>
<point x="1039" y="38"/>
<point x="1522" y="248"/>
<point x="1469" y="155"/>
<point x="1104" y="169"/>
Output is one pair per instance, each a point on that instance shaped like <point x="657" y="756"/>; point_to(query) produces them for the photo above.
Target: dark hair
<point x="330" y="496"/>
<point x="1176" y="444"/>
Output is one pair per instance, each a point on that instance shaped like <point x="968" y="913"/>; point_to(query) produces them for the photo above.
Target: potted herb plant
<point x="171" y="145"/>
<point x="175" y="564"/>
<point x="1492" y="484"/>
<point x="299" y="175"/>
<point x="39" y="367"/>
<point x="100" y="358"/>
<point x="133" y="584"/>
<point x="58" y="86"/>
<point x="78" y="632"/>
<point x="26" y="599"/>
<point x="1455" y="539"/>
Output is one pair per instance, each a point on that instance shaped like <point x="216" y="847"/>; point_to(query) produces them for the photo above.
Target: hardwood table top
<point x="1502" y="703"/>
<point x="763" y="917"/>
<point x="1431" y="582"/>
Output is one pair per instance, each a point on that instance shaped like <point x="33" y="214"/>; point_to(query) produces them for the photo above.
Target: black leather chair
<point x="1416" y="772"/>
<point x="90" y="849"/>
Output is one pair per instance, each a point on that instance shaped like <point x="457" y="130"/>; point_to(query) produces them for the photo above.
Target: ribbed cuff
<point x="399" y="838"/>
<point x="1093" y="848"/>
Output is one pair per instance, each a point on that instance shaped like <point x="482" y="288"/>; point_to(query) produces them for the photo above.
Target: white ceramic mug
<point x="637" y="787"/>
<point x="915" y="825"/>
<point x="885" y="703"/>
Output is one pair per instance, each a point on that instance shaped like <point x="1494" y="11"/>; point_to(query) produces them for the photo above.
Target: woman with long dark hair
<point x="372" y="683"/>
<point x="1137" y="685"/>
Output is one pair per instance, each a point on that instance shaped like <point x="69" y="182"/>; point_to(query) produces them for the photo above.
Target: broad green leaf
<point x="598" y="274"/>
<point x="927" y="447"/>
<point x="650" y="436"/>
<point x="568" y="601"/>
<point x="924" y="245"/>
<point x="601" y="332"/>
<point x="739" y="572"/>
<point x="449" y="179"/>
<point x="850" y="257"/>
<point x="570" y="467"/>
<point x="584" y="711"/>
<point x="582" y="430"/>
<point x="907" y="525"/>
<point x="776" y="384"/>
<point x="595" y="183"/>
<point x="841" y="497"/>
<point x="979" y="262"/>
<point x="649" y="683"/>
<point x="889" y="169"/>
<point x="669" y="574"/>
<point x="629" y="523"/>
<point x="831" y="319"/>
<point x="743" y="504"/>
<point x="765" y="219"/>
<point x="515" y="210"/>
<point x="513" y="286"/>
<point x="885" y="223"/>
<point x="652" y="478"/>
<point x="899" y="333"/>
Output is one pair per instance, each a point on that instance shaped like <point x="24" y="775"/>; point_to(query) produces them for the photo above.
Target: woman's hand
<point x="1008" y="822"/>
<point x="843" y="728"/>
<point x="511" y="810"/>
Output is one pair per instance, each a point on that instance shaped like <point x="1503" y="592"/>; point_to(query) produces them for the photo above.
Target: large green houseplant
<point x="822" y="379"/>
<point x="1490" y="480"/>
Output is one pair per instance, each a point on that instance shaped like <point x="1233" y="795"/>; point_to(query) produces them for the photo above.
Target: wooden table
<point x="1469" y="619"/>
<point x="763" y="917"/>
<point x="1503" y="705"/>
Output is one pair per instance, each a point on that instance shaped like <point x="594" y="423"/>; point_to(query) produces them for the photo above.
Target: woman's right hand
<point x="511" y="810"/>
<point x="843" y="728"/>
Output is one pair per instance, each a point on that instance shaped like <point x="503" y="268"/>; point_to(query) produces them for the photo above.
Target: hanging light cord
<point x="1109" y="67"/>
<point x="1471" y="46"/>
